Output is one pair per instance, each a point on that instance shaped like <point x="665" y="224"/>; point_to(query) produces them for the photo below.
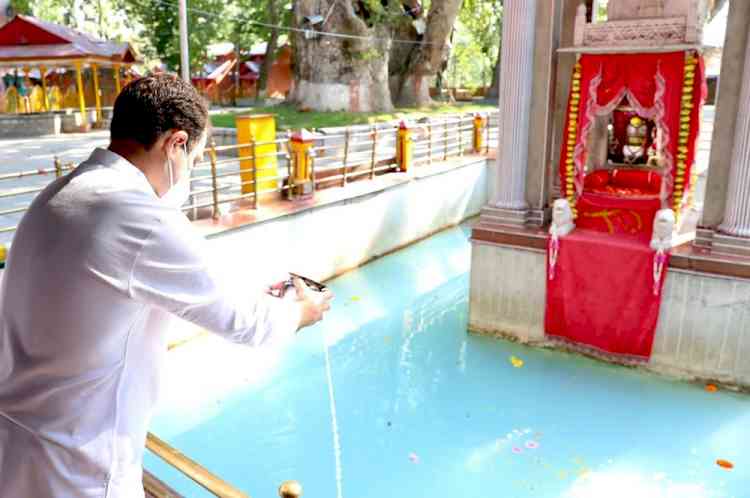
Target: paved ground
<point x="30" y="154"/>
<point x="34" y="153"/>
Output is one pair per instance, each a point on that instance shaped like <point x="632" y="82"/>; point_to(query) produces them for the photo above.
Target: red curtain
<point x="653" y="85"/>
<point x="600" y="296"/>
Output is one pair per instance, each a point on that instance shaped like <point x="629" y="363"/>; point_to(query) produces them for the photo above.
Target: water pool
<point x="420" y="408"/>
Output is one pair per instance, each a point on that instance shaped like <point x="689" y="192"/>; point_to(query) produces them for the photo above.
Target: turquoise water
<point x="422" y="409"/>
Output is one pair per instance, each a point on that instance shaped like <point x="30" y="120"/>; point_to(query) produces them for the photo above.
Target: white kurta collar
<point x="109" y="159"/>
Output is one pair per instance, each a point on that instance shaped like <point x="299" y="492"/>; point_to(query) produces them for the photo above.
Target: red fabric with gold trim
<point x="606" y="212"/>
<point x="652" y="84"/>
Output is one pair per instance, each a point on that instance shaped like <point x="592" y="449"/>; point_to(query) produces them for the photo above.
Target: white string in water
<point x="334" y="420"/>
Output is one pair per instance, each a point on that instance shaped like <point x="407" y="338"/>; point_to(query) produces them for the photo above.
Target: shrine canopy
<point x="26" y="40"/>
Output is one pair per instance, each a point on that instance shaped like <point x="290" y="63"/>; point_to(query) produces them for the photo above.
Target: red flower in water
<point x="725" y="464"/>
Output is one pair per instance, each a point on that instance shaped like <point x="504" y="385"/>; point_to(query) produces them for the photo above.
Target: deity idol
<point x="634" y="150"/>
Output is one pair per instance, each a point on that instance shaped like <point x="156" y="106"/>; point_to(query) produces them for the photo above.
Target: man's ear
<point x="177" y="139"/>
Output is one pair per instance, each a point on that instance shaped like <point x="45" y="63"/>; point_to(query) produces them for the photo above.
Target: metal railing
<point x="243" y="175"/>
<point x="199" y="474"/>
<point x="192" y="469"/>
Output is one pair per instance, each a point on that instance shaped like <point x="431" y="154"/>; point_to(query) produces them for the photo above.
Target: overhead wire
<point x="293" y="29"/>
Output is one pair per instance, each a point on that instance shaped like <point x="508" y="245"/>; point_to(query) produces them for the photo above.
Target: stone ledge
<point x="686" y="257"/>
<point x="29" y="125"/>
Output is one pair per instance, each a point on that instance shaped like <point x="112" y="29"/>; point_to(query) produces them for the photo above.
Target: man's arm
<point x="171" y="272"/>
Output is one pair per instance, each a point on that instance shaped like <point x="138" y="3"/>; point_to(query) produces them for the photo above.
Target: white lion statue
<point x="664" y="222"/>
<point x="562" y="219"/>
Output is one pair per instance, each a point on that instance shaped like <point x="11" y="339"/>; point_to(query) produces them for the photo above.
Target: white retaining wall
<point x="325" y="241"/>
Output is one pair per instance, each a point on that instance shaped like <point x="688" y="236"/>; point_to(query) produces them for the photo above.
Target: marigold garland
<point x="680" y="186"/>
<point x="569" y="162"/>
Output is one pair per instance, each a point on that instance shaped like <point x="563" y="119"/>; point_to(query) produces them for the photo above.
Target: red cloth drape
<point x="652" y="84"/>
<point x="615" y="215"/>
<point x="602" y="294"/>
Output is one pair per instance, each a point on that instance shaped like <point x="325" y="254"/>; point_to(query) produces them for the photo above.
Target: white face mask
<point x="179" y="192"/>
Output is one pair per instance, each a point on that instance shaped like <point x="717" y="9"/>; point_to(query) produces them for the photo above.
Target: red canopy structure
<point x="26" y="41"/>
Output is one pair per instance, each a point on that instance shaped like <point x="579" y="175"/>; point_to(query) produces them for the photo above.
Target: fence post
<point x="289" y="166"/>
<point x="310" y="161"/>
<point x="404" y="147"/>
<point x="374" y="151"/>
<point x="58" y="167"/>
<point x="301" y="143"/>
<point x="255" y="173"/>
<point x="346" y="153"/>
<point x="478" y="123"/>
<point x="445" y="139"/>
<point x="487" y="133"/>
<point x="214" y="185"/>
<point x="460" y="137"/>
<point x="429" y="142"/>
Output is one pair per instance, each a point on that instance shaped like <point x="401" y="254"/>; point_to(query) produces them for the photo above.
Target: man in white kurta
<point x="98" y="264"/>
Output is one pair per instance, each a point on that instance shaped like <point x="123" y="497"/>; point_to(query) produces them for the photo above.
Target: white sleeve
<point x="171" y="272"/>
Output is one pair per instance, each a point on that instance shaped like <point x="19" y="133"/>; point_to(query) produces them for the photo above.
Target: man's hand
<point x="312" y="304"/>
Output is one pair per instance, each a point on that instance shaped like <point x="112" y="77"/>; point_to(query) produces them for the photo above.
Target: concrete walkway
<point x="33" y="154"/>
<point x="22" y="154"/>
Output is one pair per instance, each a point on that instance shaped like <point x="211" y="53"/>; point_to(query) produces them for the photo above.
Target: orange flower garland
<point x="682" y="145"/>
<point x="573" y="109"/>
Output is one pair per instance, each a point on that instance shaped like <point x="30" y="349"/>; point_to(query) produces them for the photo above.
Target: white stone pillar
<point x="516" y="75"/>
<point x="737" y="213"/>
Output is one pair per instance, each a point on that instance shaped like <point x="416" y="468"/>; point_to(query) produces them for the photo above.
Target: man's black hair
<point x="150" y="106"/>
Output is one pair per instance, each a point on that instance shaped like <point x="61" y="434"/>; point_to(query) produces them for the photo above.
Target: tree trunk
<point x="337" y="73"/>
<point x="427" y="58"/>
<point x="270" y="57"/>
<point x="494" y="90"/>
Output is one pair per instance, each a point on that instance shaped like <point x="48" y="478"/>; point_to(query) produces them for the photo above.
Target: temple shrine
<point x="594" y="240"/>
<point x="47" y="68"/>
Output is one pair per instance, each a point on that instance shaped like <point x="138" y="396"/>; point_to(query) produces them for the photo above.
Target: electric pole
<point x="184" y="50"/>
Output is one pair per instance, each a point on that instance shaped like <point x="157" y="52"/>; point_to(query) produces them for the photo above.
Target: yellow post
<point x="116" y="68"/>
<point x="11" y="100"/>
<point x="81" y="98"/>
<point x="42" y="72"/>
<point x="404" y="147"/>
<point x="97" y="97"/>
<point x="26" y="99"/>
<point x="301" y="144"/>
<point x="478" y="137"/>
<point x="258" y="135"/>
